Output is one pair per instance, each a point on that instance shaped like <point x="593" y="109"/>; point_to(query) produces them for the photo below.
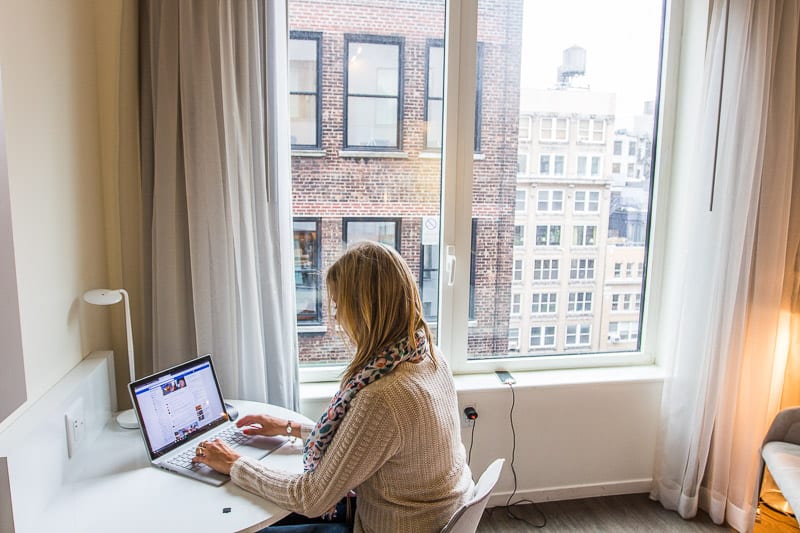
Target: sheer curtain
<point x="216" y="192"/>
<point x="726" y="371"/>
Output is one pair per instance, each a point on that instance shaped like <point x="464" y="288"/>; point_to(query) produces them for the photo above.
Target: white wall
<point x="47" y="56"/>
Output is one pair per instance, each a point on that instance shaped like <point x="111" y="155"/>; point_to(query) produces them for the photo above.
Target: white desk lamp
<point x="126" y="419"/>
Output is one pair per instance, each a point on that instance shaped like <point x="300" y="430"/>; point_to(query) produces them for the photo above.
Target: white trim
<point x="574" y="492"/>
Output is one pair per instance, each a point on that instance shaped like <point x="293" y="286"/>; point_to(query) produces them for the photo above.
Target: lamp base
<point x="127" y="419"/>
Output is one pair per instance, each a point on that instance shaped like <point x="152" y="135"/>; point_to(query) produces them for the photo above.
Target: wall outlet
<point x="75" y="422"/>
<point x="465" y="421"/>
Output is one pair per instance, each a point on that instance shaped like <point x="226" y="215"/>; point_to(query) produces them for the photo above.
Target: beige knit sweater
<point x="398" y="446"/>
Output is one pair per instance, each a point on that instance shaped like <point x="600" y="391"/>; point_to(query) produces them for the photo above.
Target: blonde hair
<point x="376" y="299"/>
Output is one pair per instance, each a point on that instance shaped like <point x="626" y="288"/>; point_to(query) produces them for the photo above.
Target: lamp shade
<point x="102" y="296"/>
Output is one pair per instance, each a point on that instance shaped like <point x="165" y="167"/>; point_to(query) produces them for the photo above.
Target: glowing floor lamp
<point x="126" y="419"/>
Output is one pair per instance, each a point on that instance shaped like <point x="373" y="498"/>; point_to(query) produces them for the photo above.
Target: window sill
<point x="311" y="329"/>
<point x="374" y="154"/>
<point x="323" y="391"/>
<point x="431" y="154"/>
<point x="308" y="153"/>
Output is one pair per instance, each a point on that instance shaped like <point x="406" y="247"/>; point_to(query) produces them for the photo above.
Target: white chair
<point x="467" y="517"/>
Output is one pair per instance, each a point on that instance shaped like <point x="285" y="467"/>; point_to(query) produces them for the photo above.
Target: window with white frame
<point x="623" y="331"/>
<point x="551" y="165"/>
<point x="545" y="269"/>
<point x="548" y="235"/>
<point x="584" y="235"/>
<point x="373" y="95"/>
<point x="513" y="339"/>
<point x="544" y="303"/>
<point x="581" y="269"/>
<point x="626" y="302"/>
<point x="578" y="335"/>
<point x="542" y="336"/>
<point x="519" y="235"/>
<point x="553" y="129"/>
<point x="521" y="201"/>
<point x="516" y="304"/>
<point x="632" y="148"/>
<point x="518" y="269"/>
<point x="580" y="302"/>
<point x="525" y="126"/>
<point x="522" y="163"/>
<point x="549" y="201"/>
<point x="589" y="166"/>
<point x="617" y="147"/>
<point x="617" y="270"/>
<point x="616" y="168"/>
<point x="592" y="130"/>
<point x="587" y="202"/>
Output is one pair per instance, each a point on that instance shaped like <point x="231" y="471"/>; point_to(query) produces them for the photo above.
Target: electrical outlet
<point x="75" y="422"/>
<point x="465" y="421"/>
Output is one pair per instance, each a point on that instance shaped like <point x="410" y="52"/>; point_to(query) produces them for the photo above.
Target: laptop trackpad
<point x="258" y="447"/>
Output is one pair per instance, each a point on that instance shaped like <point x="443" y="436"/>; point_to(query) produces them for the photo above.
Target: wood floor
<point x="634" y="513"/>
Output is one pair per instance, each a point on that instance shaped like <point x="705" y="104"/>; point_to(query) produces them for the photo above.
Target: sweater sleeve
<point x="367" y="438"/>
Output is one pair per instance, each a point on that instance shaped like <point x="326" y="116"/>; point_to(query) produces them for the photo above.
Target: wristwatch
<point x="289" y="428"/>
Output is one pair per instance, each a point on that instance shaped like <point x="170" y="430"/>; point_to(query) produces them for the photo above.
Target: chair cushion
<point x="783" y="461"/>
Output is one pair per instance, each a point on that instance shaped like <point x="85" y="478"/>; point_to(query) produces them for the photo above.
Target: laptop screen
<point x="178" y="404"/>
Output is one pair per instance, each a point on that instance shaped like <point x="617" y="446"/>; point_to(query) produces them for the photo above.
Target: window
<point x="617" y="147"/>
<point x="616" y="168"/>
<point x="626" y="302"/>
<point x="545" y="269"/>
<point x="580" y="302"/>
<point x="622" y="331"/>
<point x="584" y="235"/>
<point x="551" y="165"/>
<point x="516" y="304"/>
<point x="587" y="201"/>
<point x="522" y="163"/>
<point x="543" y="303"/>
<point x="581" y="269"/>
<point x="558" y="165"/>
<point x="542" y="336"/>
<point x="434" y="95"/>
<point x="429" y="279"/>
<point x="385" y="231"/>
<point x="617" y="270"/>
<point x="307" y="271"/>
<point x="521" y="201"/>
<point x="525" y="123"/>
<point x="591" y="130"/>
<point x="578" y="335"/>
<point x="553" y="129"/>
<point x="632" y="148"/>
<point x="513" y="339"/>
<point x="518" y="270"/>
<point x="519" y="235"/>
<point x="304" y="88"/>
<point x="550" y="201"/>
<point x="373" y="98"/>
<point x="548" y="235"/>
<point x="589" y="166"/>
<point x="630" y="170"/>
<point x="544" y="165"/>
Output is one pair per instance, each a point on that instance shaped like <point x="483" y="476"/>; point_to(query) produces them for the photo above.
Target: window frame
<point x="303" y="35"/>
<point x="350" y="38"/>
<point x="398" y="227"/>
<point x="317" y="260"/>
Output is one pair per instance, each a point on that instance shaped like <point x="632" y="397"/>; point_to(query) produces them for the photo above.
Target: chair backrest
<point x="466" y="518"/>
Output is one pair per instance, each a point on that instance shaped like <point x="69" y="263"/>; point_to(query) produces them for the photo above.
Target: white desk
<point x="110" y="485"/>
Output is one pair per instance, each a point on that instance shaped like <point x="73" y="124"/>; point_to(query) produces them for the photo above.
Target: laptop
<point x="181" y="406"/>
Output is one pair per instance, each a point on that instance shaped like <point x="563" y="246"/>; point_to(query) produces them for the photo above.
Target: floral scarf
<point x="380" y="365"/>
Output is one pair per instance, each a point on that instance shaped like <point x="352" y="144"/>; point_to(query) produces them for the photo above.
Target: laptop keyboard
<point x="230" y="436"/>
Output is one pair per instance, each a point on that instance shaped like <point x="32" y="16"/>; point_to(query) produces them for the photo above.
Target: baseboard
<point x="573" y="492"/>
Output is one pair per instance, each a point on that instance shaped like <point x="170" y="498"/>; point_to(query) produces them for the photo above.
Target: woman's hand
<point x="265" y="425"/>
<point x="216" y="454"/>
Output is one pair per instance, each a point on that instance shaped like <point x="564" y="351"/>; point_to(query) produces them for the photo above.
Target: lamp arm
<point x="129" y="334"/>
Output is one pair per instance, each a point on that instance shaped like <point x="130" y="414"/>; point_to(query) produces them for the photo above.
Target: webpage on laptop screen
<point x="178" y="405"/>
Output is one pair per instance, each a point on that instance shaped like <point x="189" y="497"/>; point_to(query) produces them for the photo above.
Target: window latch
<point x="450" y="264"/>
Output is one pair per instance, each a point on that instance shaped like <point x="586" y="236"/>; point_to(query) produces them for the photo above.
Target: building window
<point x="545" y="269"/>
<point x="544" y="303"/>
<point x="518" y="270"/>
<point x="521" y="201"/>
<point x="632" y="148"/>
<point x="305" y="49"/>
<point x="578" y="335"/>
<point x="373" y="96"/>
<point x="513" y="339"/>
<point x="580" y="302"/>
<point x="592" y="130"/>
<point x="382" y="230"/>
<point x="626" y="302"/>
<point x="525" y="126"/>
<point x="581" y="269"/>
<point x="548" y="235"/>
<point x="630" y="170"/>
<point x="516" y="304"/>
<point x="639" y="270"/>
<point x="584" y="235"/>
<point x="307" y="271"/>
<point x="553" y="129"/>
<point x="434" y="95"/>
<point x="616" y="168"/>
<point x="522" y="163"/>
<point x="550" y="201"/>
<point x="617" y="270"/>
<point x="623" y="331"/>
<point x="617" y="147"/>
<point x="543" y="336"/>
<point x="519" y="235"/>
<point x="544" y="165"/>
<point x="589" y="166"/>
<point x="587" y="201"/>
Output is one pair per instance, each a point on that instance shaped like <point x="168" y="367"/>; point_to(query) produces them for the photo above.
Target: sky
<point x="621" y="38"/>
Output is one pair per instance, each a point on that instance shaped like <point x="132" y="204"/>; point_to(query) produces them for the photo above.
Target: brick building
<point x="366" y="83"/>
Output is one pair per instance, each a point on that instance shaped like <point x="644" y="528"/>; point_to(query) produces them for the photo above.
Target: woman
<point x="391" y="433"/>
